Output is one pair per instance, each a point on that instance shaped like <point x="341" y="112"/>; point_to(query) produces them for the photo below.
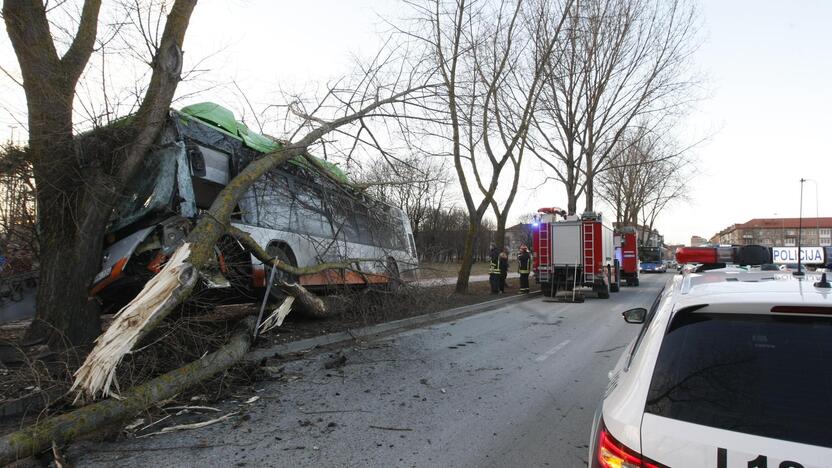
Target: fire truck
<point x="574" y="253"/>
<point x="626" y="252"/>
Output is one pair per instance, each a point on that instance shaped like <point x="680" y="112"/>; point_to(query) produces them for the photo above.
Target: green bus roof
<point x="223" y="119"/>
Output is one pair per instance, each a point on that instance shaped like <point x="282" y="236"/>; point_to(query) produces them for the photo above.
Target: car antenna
<point x="823" y="283"/>
<point x="799" y="271"/>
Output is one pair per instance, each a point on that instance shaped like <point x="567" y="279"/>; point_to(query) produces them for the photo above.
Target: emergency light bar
<point x="744" y="255"/>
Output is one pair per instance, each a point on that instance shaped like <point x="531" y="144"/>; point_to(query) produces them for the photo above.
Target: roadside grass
<point x="433" y="270"/>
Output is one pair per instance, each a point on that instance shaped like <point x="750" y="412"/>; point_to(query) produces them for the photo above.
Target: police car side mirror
<point x="636" y="315"/>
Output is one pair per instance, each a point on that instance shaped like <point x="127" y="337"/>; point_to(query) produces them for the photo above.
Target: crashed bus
<point x="299" y="213"/>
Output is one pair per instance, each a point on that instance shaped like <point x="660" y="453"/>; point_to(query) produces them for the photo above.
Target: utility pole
<point x="799" y="271"/>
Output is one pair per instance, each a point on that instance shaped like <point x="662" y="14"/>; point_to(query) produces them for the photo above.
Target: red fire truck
<point x="574" y="252"/>
<point x="626" y="252"/>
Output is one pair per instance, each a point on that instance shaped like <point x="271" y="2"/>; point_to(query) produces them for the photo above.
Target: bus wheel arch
<point x="394" y="280"/>
<point x="283" y="252"/>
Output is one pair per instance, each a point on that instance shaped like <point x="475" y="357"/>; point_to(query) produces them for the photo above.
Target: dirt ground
<point x="374" y="307"/>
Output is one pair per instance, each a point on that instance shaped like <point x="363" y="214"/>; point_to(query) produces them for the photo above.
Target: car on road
<point x="653" y="267"/>
<point x="731" y="368"/>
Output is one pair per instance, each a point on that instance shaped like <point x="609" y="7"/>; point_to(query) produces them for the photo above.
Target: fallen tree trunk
<point x="68" y="427"/>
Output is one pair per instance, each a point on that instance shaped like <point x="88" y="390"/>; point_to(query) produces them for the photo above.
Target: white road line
<point x="551" y="352"/>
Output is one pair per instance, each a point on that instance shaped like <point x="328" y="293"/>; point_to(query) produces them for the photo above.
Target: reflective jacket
<point x="494" y="265"/>
<point x="524" y="260"/>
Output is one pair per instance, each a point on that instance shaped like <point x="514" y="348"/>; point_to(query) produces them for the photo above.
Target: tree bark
<point x="70" y="426"/>
<point x="467" y="257"/>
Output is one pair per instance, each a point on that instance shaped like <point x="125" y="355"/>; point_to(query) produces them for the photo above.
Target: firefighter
<point x="524" y="261"/>
<point x="494" y="269"/>
<point x="503" y="269"/>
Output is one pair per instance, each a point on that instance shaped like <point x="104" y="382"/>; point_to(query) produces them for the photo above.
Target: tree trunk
<point x="571" y="202"/>
<point x="70" y="426"/>
<point x="467" y="257"/>
<point x="73" y="211"/>
<point x="500" y="238"/>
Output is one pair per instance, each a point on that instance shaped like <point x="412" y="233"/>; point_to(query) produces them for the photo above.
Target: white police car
<point x="732" y="368"/>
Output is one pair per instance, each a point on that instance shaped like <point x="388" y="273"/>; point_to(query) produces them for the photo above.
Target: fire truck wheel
<point x="603" y="292"/>
<point x="614" y="287"/>
<point x="546" y="289"/>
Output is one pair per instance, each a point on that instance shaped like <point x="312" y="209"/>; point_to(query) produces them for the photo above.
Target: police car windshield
<point x="758" y="374"/>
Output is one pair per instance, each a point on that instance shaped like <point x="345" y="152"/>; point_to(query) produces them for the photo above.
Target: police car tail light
<point x="706" y="255"/>
<point x="614" y="454"/>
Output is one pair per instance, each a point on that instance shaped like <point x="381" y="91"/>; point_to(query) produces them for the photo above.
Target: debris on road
<point x="185" y="427"/>
<point x="335" y="362"/>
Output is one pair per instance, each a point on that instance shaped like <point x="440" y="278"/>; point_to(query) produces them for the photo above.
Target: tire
<point x="284" y="255"/>
<point x="614" y="287"/>
<point x="546" y="289"/>
<point x="236" y="265"/>
<point x="394" y="281"/>
<point x="603" y="292"/>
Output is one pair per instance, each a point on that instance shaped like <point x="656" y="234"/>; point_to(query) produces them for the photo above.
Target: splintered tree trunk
<point x="467" y="258"/>
<point x="70" y="426"/>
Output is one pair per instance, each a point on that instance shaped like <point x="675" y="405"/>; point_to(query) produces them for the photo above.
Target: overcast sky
<point x="767" y="63"/>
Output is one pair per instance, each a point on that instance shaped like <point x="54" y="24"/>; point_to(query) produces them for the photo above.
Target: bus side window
<point x="274" y="201"/>
<point x="344" y="217"/>
<point x="307" y="211"/>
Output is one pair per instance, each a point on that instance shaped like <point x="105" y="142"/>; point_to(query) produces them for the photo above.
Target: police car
<point x="732" y="368"/>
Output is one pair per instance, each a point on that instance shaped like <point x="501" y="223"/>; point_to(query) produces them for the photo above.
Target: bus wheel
<point x="235" y="265"/>
<point x="284" y="255"/>
<point x="394" y="280"/>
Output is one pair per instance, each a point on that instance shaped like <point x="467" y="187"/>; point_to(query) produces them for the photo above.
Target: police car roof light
<point x="743" y="255"/>
<point x="705" y="255"/>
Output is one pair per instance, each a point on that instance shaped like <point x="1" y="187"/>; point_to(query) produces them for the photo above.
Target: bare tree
<point x="491" y="60"/>
<point x="621" y="61"/>
<point x="650" y="173"/>
<point x="78" y="179"/>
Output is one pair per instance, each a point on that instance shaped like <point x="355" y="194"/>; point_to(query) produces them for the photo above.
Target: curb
<point x="386" y="327"/>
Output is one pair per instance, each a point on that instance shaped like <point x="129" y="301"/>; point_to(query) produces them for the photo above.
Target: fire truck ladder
<point x="543" y="249"/>
<point x="589" y="252"/>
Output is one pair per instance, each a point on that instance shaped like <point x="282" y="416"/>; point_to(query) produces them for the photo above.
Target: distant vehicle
<point x="729" y="369"/>
<point x="650" y="260"/>
<point x="298" y="213"/>
<point x="626" y="252"/>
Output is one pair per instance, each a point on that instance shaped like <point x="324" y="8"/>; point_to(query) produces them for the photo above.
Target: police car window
<point x="765" y="375"/>
<point x="647" y="319"/>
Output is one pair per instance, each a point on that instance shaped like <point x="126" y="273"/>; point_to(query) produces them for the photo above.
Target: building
<point x="777" y="232"/>
<point x="518" y="234"/>
<point x="697" y="241"/>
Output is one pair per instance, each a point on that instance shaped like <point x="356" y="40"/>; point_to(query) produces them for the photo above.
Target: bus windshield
<point x="649" y="254"/>
<point x="149" y="190"/>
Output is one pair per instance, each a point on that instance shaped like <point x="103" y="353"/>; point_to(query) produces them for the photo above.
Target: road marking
<point x="551" y="352"/>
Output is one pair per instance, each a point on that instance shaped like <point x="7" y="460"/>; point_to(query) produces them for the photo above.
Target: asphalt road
<point x="516" y="386"/>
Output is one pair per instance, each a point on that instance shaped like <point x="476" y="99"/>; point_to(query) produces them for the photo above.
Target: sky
<point x="766" y="68"/>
